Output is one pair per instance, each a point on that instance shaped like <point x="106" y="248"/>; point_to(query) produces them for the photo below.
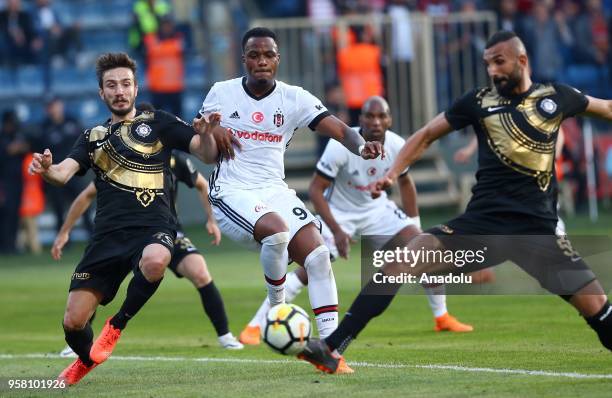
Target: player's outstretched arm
<point x="333" y="127"/>
<point x="417" y="144"/>
<point x="599" y="108"/>
<point x="56" y="174"/>
<point x="211" y="223"/>
<point x="412" y="151"/>
<point x="408" y="193"/>
<point x="77" y="208"/>
<point x="318" y="185"/>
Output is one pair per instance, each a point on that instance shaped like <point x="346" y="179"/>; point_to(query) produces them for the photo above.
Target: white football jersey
<point x="264" y="126"/>
<point x="353" y="176"/>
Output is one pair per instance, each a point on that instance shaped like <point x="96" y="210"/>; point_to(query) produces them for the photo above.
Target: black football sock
<point x="138" y="293"/>
<point x="602" y="325"/>
<point x="213" y="306"/>
<point x="80" y="341"/>
<point x="364" y="308"/>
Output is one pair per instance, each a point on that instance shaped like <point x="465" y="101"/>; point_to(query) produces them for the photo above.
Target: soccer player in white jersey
<point x="251" y="202"/>
<point x="340" y="192"/>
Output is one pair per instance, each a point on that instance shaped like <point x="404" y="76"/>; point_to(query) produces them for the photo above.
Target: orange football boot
<point x="343" y="367"/>
<point x="251" y="335"/>
<point x="75" y="372"/>
<point x="449" y="323"/>
<point x="103" y="347"/>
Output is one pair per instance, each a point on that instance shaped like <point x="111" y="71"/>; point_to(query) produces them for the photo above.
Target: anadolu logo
<point x="257" y="117"/>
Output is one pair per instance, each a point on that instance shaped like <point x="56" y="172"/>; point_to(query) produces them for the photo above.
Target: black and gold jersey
<point x="131" y="160"/>
<point x="516" y="147"/>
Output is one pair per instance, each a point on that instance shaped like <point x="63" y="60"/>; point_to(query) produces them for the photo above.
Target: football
<point x="287" y="329"/>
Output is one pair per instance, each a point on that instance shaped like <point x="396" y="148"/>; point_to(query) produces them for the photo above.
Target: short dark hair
<point x="258" y="32"/>
<point x="500" y="37"/>
<point x="110" y="61"/>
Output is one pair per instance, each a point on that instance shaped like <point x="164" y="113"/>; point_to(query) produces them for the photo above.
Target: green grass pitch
<point x="522" y="345"/>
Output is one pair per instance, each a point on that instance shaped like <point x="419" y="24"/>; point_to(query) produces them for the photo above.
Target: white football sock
<point x="273" y="258"/>
<point x="322" y="290"/>
<point x="436" y="295"/>
<point x="293" y="287"/>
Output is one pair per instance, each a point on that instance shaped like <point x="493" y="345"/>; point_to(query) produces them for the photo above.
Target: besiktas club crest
<point x="279" y="118"/>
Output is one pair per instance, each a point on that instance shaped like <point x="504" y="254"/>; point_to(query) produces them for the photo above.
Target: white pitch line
<point x="526" y="372"/>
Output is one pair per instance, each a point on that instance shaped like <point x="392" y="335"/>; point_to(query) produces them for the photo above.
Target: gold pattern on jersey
<point x="146" y="181"/>
<point x="505" y="140"/>
<point x="97" y="133"/>
<point x="528" y="107"/>
<point x="512" y="146"/>
<point x="146" y="149"/>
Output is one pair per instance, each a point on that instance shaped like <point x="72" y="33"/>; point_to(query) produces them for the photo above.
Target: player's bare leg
<point x="147" y="278"/>
<point x="272" y="232"/>
<point x="193" y="267"/>
<point x="80" y="306"/>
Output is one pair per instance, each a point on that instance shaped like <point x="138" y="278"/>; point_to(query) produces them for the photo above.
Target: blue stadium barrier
<point x="29" y="80"/>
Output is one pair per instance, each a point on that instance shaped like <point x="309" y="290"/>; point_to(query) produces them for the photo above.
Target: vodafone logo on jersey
<point x="256" y="136"/>
<point x="257" y="117"/>
<point x="260" y="207"/>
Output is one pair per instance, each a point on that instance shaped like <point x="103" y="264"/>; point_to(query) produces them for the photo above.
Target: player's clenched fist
<point x="380" y="185"/>
<point x="41" y="162"/>
<point x="372" y="149"/>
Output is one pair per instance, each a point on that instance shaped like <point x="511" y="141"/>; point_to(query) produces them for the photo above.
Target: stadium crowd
<point x="567" y="40"/>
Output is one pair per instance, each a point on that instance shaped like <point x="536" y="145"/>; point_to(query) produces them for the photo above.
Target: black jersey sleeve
<point x="80" y="153"/>
<point x="571" y="100"/>
<point x="174" y="133"/>
<point x="462" y="111"/>
<point x="184" y="169"/>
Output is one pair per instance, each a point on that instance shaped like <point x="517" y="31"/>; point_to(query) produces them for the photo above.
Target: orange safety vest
<point x="165" y="66"/>
<point x="32" y="196"/>
<point x="360" y="73"/>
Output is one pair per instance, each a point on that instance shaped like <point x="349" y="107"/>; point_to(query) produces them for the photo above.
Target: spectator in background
<point x="17" y="33"/>
<point x="146" y="20"/>
<point x="360" y="73"/>
<point x="13" y="148"/>
<point x="591" y="50"/>
<point x="32" y="205"/>
<point x="166" y="67"/>
<point x="592" y="36"/>
<point x="59" y="133"/>
<point x="435" y="8"/>
<point x="282" y="8"/>
<point x="402" y="43"/>
<point x="544" y="43"/>
<point x="508" y="17"/>
<point x="58" y="38"/>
